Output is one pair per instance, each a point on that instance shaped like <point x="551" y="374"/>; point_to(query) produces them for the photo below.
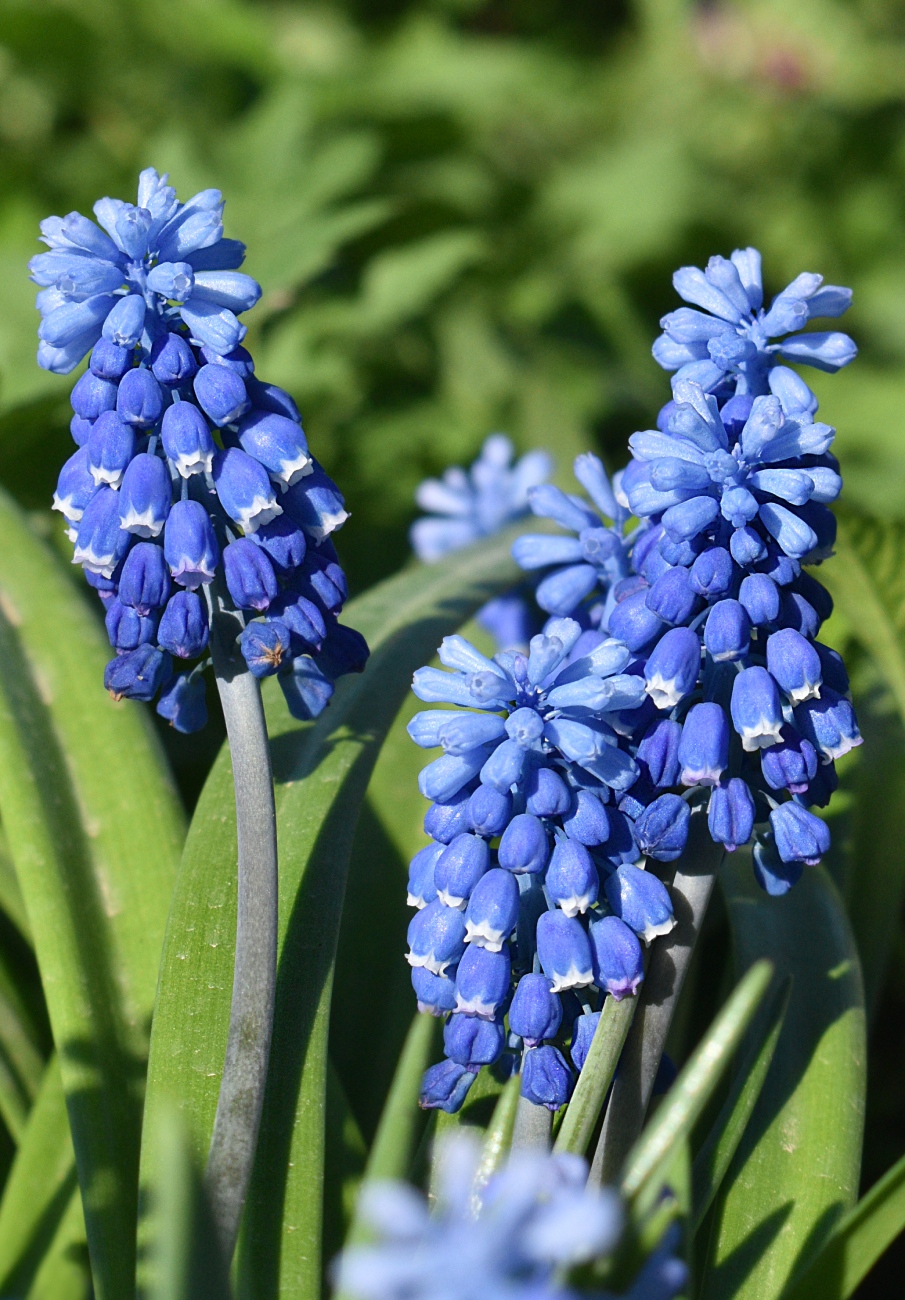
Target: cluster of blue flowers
<point x="679" y="674"/>
<point x="520" y="1237"/>
<point x="192" y="489"/>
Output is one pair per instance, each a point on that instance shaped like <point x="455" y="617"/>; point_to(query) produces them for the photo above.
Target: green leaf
<point x="596" y="1075"/>
<point x="694" y="1087"/>
<point x="498" y="1137"/>
<point x="857" y="1243"/>
<point x="64" y="1272"/>
<point x="393" y="1148"/>
<point x="345" y="1156"/>
<point x="321" y="773"/>
<point x="715" y="1156"/>
<point x="796" y="1171"/>
<point x="94" y="827"/>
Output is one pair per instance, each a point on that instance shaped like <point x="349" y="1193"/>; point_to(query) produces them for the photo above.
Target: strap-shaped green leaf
<point x="321" y="773"/>
<point x="94" y="827"/>
<point x="596" y="1075"/>
<point x="857" y="1243"/>
<point x="796" y="1171"/>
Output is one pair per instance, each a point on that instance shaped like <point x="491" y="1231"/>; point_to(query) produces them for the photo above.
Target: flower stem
<point x="533" y="1126"/>
<point x="235" y="1135"/>
<point x="691" y="888"/>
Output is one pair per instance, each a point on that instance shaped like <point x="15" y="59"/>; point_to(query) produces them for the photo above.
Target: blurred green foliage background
<point x="465" y="215"/>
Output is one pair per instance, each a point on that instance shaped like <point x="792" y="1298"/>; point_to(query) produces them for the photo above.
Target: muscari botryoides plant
<point x="657" y="697"/>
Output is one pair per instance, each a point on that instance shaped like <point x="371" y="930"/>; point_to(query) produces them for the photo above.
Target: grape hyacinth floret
<point x="192" y="489"/>
<point x="523" y="1235"/>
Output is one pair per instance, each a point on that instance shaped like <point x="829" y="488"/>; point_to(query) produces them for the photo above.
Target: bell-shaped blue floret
<point x="139" y="399"/>
<point x="445" y="1087"/>
<point x="800" y="835"/>
<point x="316" y="504"/>
<point x="482" y="980"/>
<point x="436" y="994"/>
<point x="633" y="623"/>
<point x="795" y="665"/>
<point x="727" y="632"/>
<point x="562" y="591"/>
<point x="138" y="675"/>
<point x="278" y="444"/>
<point x="183" y="703"/>
<point x="265" y="646"/>
<point x="617" y="957"/>
<point x="760" y="596"/>
<point x="586" y="820"/>
<point x="583" y="1031"/>
<point x="672" y="597"/>
<point x="250" y="578"/>
<point x="459" y="868"/>
<point x="671" y="671"/>
<point x="444" y="777"/>
<point x="641" y="900"/>
<point x="572" y="881"/>
<point x="244" y="488"/>
<point x="444" y="821"/>
<point x="344" y="650"/>
<point x="75" y="487"/>
<point x="421" y="887"/>
<point x="774" y="875"/>
<point x="145" y="497"/>
<point x="704" y="745"/>
<point x="547" y="795"/>
<point x="92" y="396"/>
<point x="110" y="361"/>
<point x="240" y="361"/>
<point x="661" y="830"/>
<point x="173" y="280"/>
<point x="457" y="733"/>
<point x="304" y="620"/>
<point x="564" y="951"/>
<point x="756" y="708"/>
<point x="546" y="1078"/>
<point x="535" y="1012"/>
<point x="145" y="580"/>
<point x="504" y="766"/>
<point x="283" y="541"/>
<point x="489" y="811"/>
<point x="221" y="394"/>
<point x="183" y="626"/>
<point x="172" y="361"/>
<point x="712" y="573"/>
<point x="524" y="848"/>
<point x="125" y="323"/>
<point x="111" y="445"/>
<point x="186" y="439"/>
<point x="189" y="544"/>
<point x="472" y="1041"/>
<point x="492" y="909"/>
<point x="101" y="543"/>
<point x="126" y="628"/>
<point x="747" y="546"/>
<point x="790" y="765"/>
<point x="658" y="752"/>
<point x="730" y="816"/>
<point x="306" y="688"/>
<point x="269" y="397"/>
<point x="436" y="937"/>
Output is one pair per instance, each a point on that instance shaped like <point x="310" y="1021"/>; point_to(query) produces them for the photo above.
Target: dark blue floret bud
<point x="730" y="816"/>
<point x="92" y="396"/>
<point x="101" y="543"/>
<point x="672" y="597"/>
<point x="800" y="614"/>
<point x="265" y="646"/>
<point x="618" y="961"/>
<point x="268" y="397"/>
<point x="444" y="821"/>
<point x="145" y="497"/>
<point x="704" y="745"/>
<point x="633" y="623"/>
<point x="139" y="398"/>
<point x="278" y="444"/>
<point x="189" y="544"/>
<point x="344" y="650"/>
<point x="126" y="628"/>
<point x="306" y="688"/>
<point x="547" y="795"/>
<point x="772" y="874"/>
<point x="80" y="430"/>
<point x="435" y="993"/>
<point x="244" y="488"/>
<point x="111" y="445"/>
<point x="641" y="901"/>
<point x="172" y="360"/>
<point x="316" y="504"/>
<point x="815" y="594"/>
<point x="183" y="703"/>
<point x="304" y="620"/>
<point x="459" y="868"/>
<point x="564" y="951"/>
<point x="761" y="598"/>
<point x="110" y="361"/>
<point x="546" y="1078"/>
<point x="572" y="881"/>
<point x="482" y="980"/>
<point x="145" y="580"/>
<point x="583" y="1031"/>
<point x="137" y="675"/>
<point x="250" y="578"/>
<point x="421" y="887"/>
<point x="535" y="1013"/>
<point x="221" y="394"/>
<point x="472" y="1041"/>
<point x="671" y="671"/>
<point x="492" y="910"/>
<point x="239" y="360"/>
<point x="712" y="573"/>
<point x="662" y="829"/>
<point x="791" y="764"/>
<point x="183" y="626"/>
<point x="756" y="708"/>
<point x="186" y="439"/>
<point x="283" y="540"/>
<point x="727" y="633"/>
<point x="75" y="487"/>
<point x="800" y="835"/>
<point x="436" y="937"/>
<point x="445" y="1087"/>
<point x="658" y="753"/>
<point x="587" y="820"/>
<point x="489" y="811"/>
<point x="524" y="847"/>
<point x="795" y="664"/>
<point x="746" y="546"/>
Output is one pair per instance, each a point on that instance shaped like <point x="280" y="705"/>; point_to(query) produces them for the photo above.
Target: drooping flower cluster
<point x="518" y="1238"/>
<point x="466" y="505"/>
<point x="192" y="488"/>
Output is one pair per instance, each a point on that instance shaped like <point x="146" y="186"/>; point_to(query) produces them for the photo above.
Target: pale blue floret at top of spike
<point x="186" y="458"/>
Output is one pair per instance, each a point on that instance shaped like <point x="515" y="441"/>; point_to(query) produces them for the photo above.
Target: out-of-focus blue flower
<point x="517" y="1238"/>
<point x="182" y="451"/>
